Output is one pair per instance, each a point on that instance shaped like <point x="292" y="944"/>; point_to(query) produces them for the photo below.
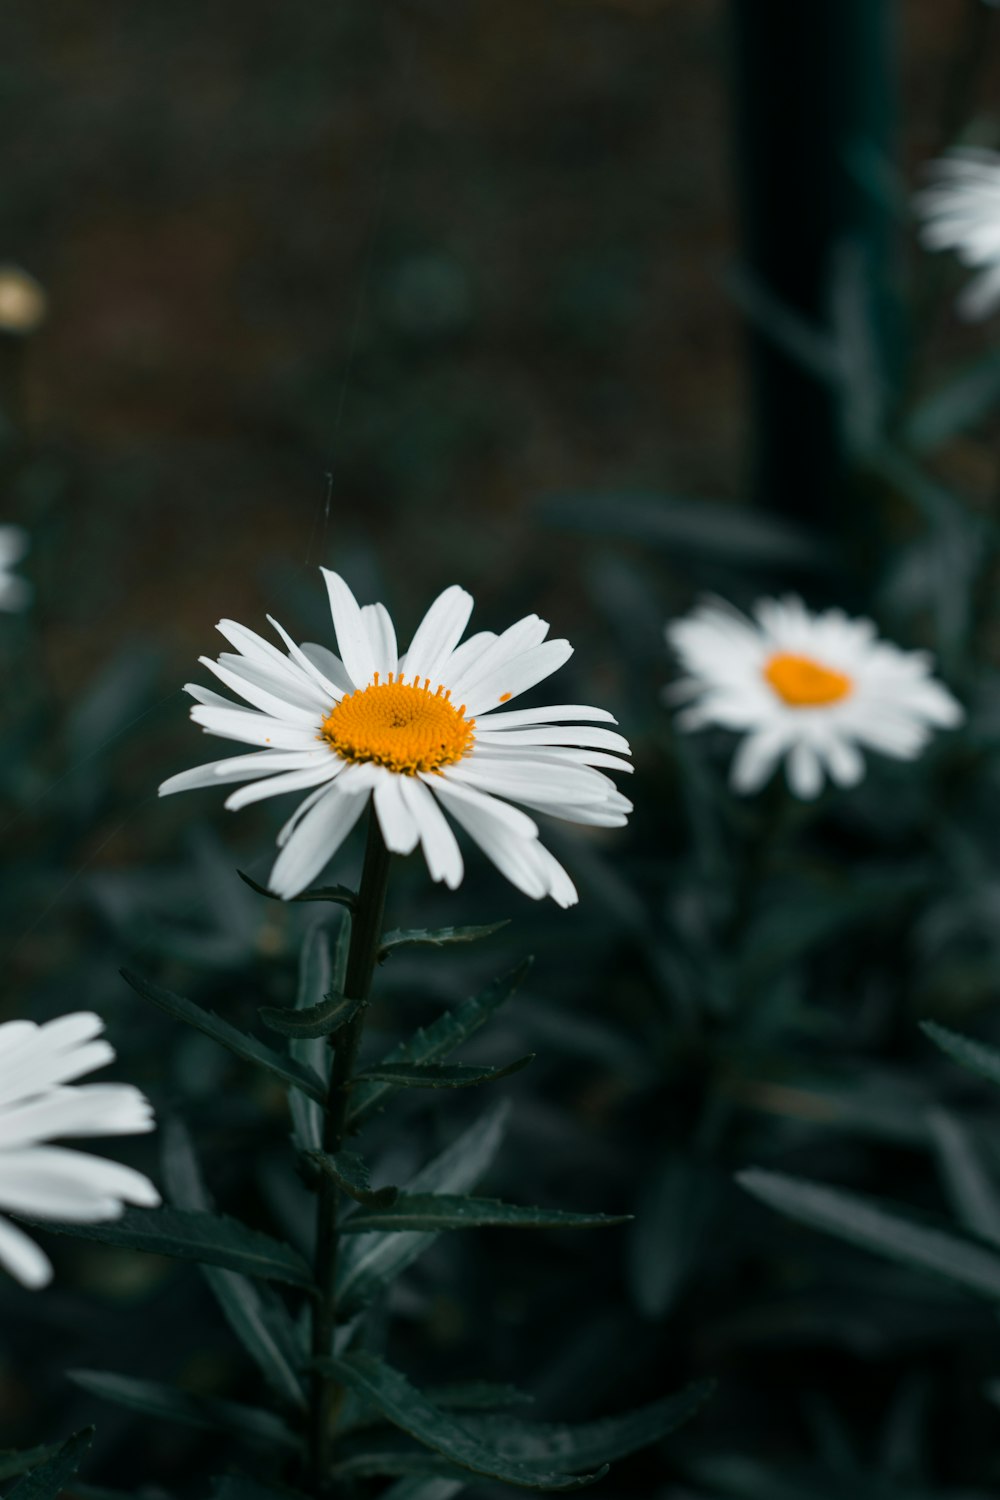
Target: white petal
<point x="241" y="768"/>
<point x="478" y="803"/>
<point x="523" y="718"/>
<point x="507" y="679"/>
<point x="805" y="774"/>
<point x="315" y="839"/>
<point x="509" y="851"/>
<point x="207" y="695"/>
<point x="335" y="682"/>
<point x="292" y="781"/>
<point x="382" y="638"/>
<point x="353" y="639"/>
<point x="444" y="858"/>
<point x="91" y="1110"/>
<point x="395" y="819"/>
<point x="25" y="1261"/>
<point x="58" y="1184"/>
<point x="464" y="657"/>
<point x="845" y="761"/>
<point x="557" y="882"/>
<point x="555" y="735"/>
<point x="329" y="665"/>
<point x="439" y="632"/>
<point x="261" y="697"/>
<point x="254" y="729"/>
<point x="518" y="638"/>
<point x="755" y="759"/>
<point x="514" y="779"/>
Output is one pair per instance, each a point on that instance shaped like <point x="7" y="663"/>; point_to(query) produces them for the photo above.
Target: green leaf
<point x="439" y="937"/>
<point x="439" y="1075"/>
<point x="967" y="1179"/>
<point x="672" y="1217"/>
<point x="976" y="1056"/>
<point x="49" y="1480"/>
<point x="324" y="1019"/>
<point x="591" y="1443"/>
<point x="965" y="399"/>
<point x="242" y="1487"/>
<point x="367" y="1263"/>
<point x="255" y="1313"/>
<point x="15" y="1461"/>
<point x="424" y="1489"/>
<point x="884" y="1230"/>
<point x="248" y="1048"/>
<point x="404" y="1405"/>
<point x="478" y="1395"/>
<point x="452" y="1211"/>
<point x="246" y="1423"/>
<point x="315" y="982"/>
<point x="340" y="894"/>
<point x="351" y="1173"/>
<point x="212" y="1239"/>
<point x="437" y="1041"/>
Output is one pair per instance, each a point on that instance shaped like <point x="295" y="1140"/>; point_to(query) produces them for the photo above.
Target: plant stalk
<point x="366" y="932"/>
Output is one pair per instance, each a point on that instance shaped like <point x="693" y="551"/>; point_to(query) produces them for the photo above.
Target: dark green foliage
<point x="436" y="937"/>
<point x="326" y="1018"/>
<point x="407" y="1075"/>
<point x="52" y="1475"/>
<point x="433" y="1211"/>
<point x="167" y="1403"/>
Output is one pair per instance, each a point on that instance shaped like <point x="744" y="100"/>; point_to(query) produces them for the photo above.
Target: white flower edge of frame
<point x="41" y="1102"/>
<point x="959" y="210"/>
<point x="892" y="707"/>
<point x="550" y="760"/>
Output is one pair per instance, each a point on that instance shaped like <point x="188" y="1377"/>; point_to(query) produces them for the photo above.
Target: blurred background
<point x="577" y="303"/>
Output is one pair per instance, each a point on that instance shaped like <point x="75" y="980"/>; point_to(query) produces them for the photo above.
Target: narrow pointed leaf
<point x="438" y="937"/>
<point x="478" y="1395"/>
<point x="340" y="894"/>
<point x="49" y="1480"/>
<point x="439" y="1075"/>
<point x="324" y="1019"/>
<point x="404" y="1406"/>
<point x="873" y="1226"/>
<point x="254" y="1311"/>
<point x="435" y="1211"/>
<point x="424" y="1489"/>
<point x="316" y="980"/>
<point x="437" y="1041"/>
<point x="977" y="1056"/>
<point x="588" y="1444"/>
<point x="370" y="1261"/>
<point x="967" y="1177"/>
<point x="248" y="1048"/>
<point x="350" y="1173"/>
<point x="212" y="1239"/>
<point x="247" y="1423"/>
<point x="14" y="1461"/>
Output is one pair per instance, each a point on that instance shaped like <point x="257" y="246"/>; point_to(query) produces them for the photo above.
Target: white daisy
<point x="15" y="592"/>
<point x="423" y="733"/>
<point x="39" y="1103"/>
<point x="960" y="210"/>
<point x="808" y="688"/>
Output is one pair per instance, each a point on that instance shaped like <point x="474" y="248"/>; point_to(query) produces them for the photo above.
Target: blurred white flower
<point x="39" y="1102"/>
<point x="807" y="688"/>
<point x="417" y="732"/>
<point x="960" y="211"/>
<point x="15" y="592"/>
<point x="23" y="303"/>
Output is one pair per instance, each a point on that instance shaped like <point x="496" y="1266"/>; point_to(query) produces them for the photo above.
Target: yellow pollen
<point x="406" y="728"/>
<point x="802" y="683"/>
<point x="505" y="697"/>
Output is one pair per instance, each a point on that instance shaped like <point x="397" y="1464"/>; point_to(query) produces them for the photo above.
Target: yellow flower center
<point x="803" y="683"/>
<point x="400" y="725"/>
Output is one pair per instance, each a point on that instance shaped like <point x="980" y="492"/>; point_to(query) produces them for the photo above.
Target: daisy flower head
<point x="15" y="592"/>
<point x="810" y="689"/>
<point x="423" y="733"/>
<point x="960" y="211"/>
<point x="40" y="1102"/>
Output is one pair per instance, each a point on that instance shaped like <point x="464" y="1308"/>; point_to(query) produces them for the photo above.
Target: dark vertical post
<point x="815" y="100"/>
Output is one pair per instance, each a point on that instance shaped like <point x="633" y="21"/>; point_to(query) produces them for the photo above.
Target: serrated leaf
<point x="351" y="1173"/>
<point x="478" y="1395"/>
<point x="438" y="937"/>
<point x="372" y="1260"/>
<point x="49" y="1480"/>
<point x="341" y="895"/>
<point x="885" y="1230"/>
<point x="384" y="1387"/>
<point x="436" y="1211"/>
<point x="439" y="1075"/>
<point x="432" y="1043"/>
<point x="246" y="1047"/>
<point x="978" y="1057"/>
<point x="255" y="1313"/>
<point x="15" y="1461"/>
<point x="324" y="1019"/>
<point x="211" y="1239"/>
<point x="247" y="1423"/>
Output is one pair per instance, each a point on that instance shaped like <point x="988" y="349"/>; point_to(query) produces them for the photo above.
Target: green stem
<point x="366" y="933"/>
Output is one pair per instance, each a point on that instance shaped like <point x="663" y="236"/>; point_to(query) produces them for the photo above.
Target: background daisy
<point x="960" y="210"/>
<point x="422" y="733"/>
<point x="40" y="1102"/>
<point x="15" y="592"/>
<point x="812" y="689"/>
